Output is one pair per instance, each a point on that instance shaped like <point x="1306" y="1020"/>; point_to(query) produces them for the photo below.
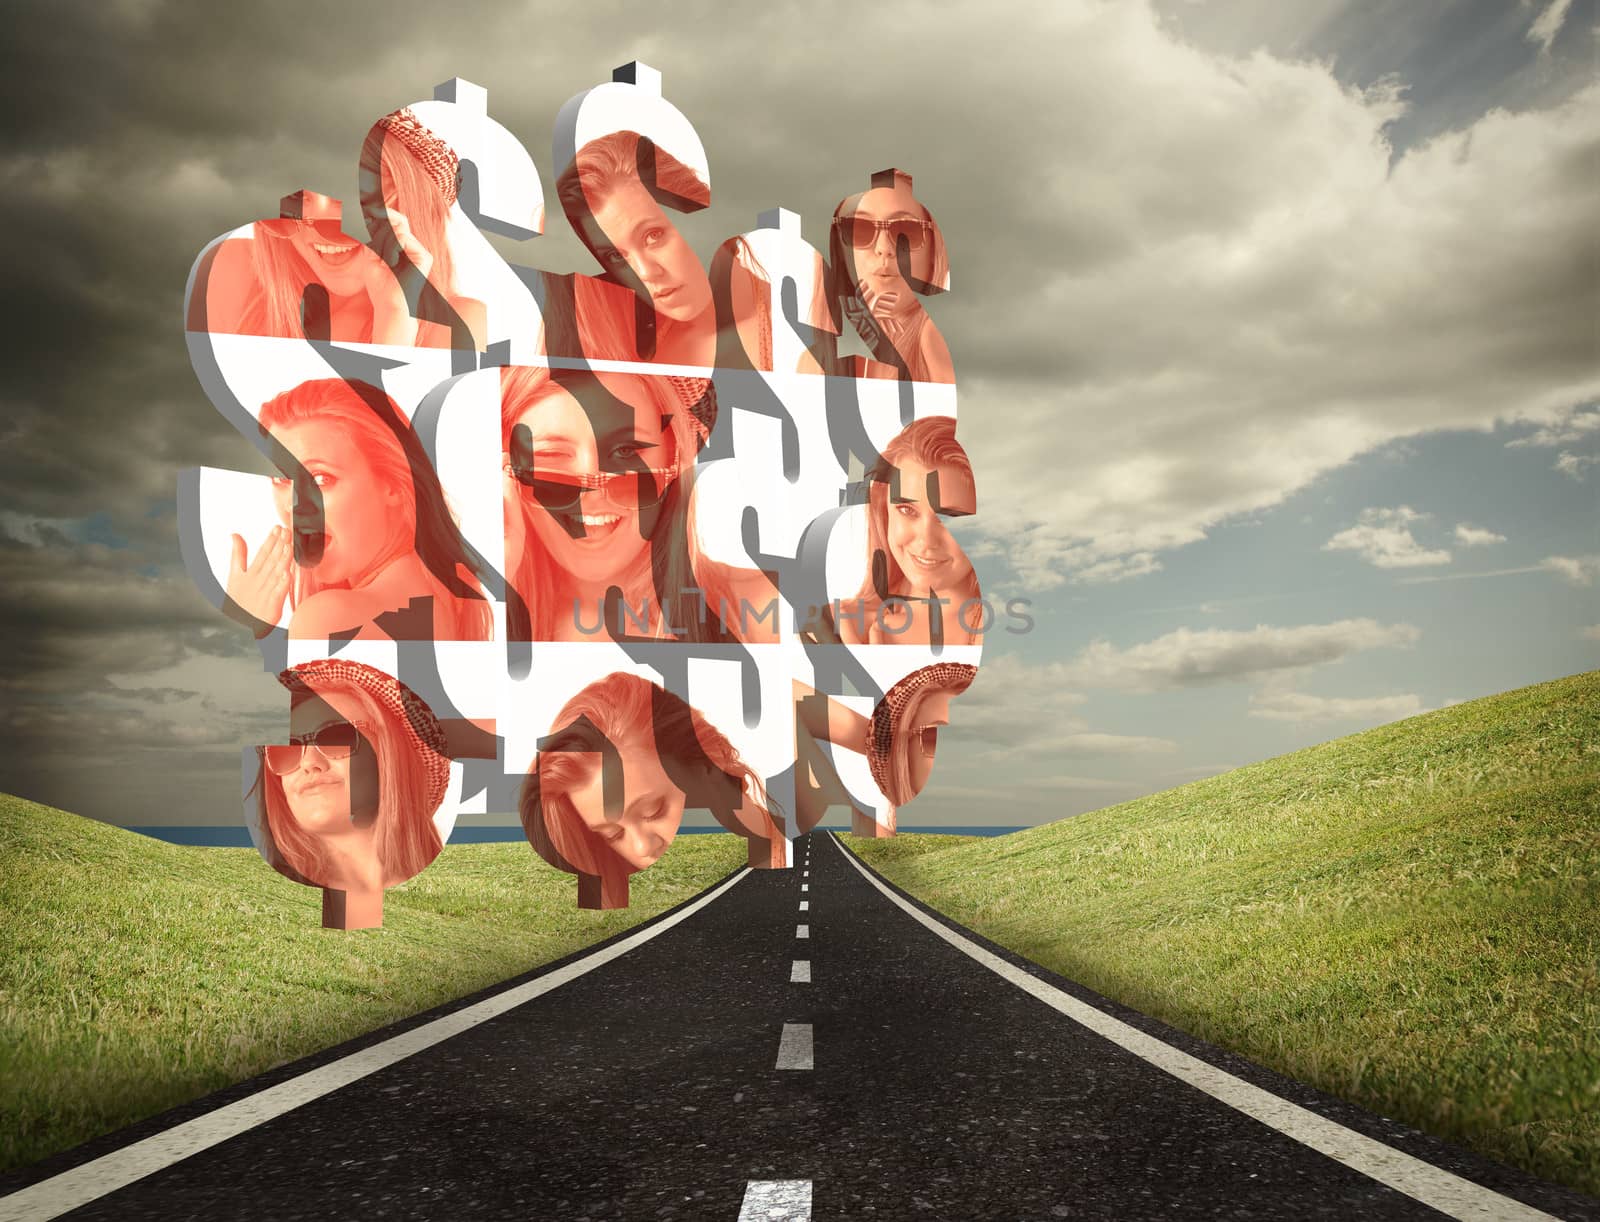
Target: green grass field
<point x="1408" y="918"/>
<point x="137" y="975"/>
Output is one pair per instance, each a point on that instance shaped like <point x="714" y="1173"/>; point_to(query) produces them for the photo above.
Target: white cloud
<point x="1591" y="633"/>
<point x="1565" y="429"/>
<point x="1189" y="658"/>
<point x="1542" y="33"/>
<point x="1579" y="570"/>
<point x="1286" y="704"/>
<point x="1224" y="317"/>
<point x="1476" y="536"/>
<point x="1383" y="537"/>
<point x="1574" y="465"/>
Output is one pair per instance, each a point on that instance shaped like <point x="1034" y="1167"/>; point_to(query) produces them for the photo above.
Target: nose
<point x="312" y="761"/>
<point x="642" y="845"/>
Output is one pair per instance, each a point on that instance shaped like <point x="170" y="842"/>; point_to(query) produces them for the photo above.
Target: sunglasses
<point x="336" y="741"/>
<point x="861" y="232"/>
<point x="562" y="491"/>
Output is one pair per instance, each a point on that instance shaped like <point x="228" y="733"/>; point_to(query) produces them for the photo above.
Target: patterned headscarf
<point x="421" y="730"/>
<point x="436" y="157"/>
<point x="954" y="676"/>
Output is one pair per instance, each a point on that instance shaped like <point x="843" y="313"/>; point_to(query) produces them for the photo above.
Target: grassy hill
<point x="136" y="975"/>
<point x="1408" y="917"/>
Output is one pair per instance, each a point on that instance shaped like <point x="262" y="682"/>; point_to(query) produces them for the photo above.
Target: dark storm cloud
<point x="1090" y="175"/>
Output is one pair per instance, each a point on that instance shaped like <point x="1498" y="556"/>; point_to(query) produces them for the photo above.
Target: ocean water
<point x="238" y="837"/>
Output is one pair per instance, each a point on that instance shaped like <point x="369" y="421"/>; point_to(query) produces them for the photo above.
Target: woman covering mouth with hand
<point x="364" y="527"/>
<point x="348" y="803"/>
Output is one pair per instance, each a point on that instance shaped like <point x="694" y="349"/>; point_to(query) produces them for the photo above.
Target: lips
<point x="590" y="528"/>
<point x="335" y="255"/>
<point x="928" y="563"/>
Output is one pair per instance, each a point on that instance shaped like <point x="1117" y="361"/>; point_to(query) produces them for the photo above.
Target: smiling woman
<point x="598" y="476"/>
<point x="919" y="583"/>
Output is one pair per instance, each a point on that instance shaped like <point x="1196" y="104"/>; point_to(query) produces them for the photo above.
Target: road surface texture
<point x="794" y="1044"/>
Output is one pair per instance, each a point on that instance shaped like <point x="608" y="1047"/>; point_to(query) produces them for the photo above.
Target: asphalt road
<point x="703" y="1072"/>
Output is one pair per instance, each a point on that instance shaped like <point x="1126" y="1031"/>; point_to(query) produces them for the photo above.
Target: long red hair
<point x="623" y="712"/>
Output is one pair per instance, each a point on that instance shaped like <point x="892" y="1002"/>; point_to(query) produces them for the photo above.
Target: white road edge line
<point x="1433" y="1186"/>
<point x="80" y="1185"/>
<point x="794" y="1048"/>
<point x="800" y="972"/>
<point x="776" y="1201"/>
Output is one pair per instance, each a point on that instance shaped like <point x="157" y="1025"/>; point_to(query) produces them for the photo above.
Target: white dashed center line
<point x="794" y="1049"/>
<point x="800" y="973"/>
<point x="804" y="904"/>
<point x="802" y="931"/>
<point x="776" y="1201"/>
<point x="805" y="886"/>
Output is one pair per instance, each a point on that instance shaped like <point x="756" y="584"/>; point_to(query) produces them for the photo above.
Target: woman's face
<point x="922" y="738"/>
<point x="919" y="541"/>
<point x="326" y="796"/>
<point x="629" y="228"/>
<point x="650" y="814"/>
<point x="356" y="517"/>
<point x="877" y="267"/>
<point x="605" y="532"/>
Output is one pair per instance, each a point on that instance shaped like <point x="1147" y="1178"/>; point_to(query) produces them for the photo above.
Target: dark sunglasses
<point x="861" y="232"/>
<point x="562" y="491"/>
<point x="335" y="741"/>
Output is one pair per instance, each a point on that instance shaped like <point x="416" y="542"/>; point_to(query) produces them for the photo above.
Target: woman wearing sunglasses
<point x="364" y="527"/>
<point x="664" y="756"/>
<point x="870" y="230"/>
<point x="598" y="474"/>
<point x="347" y="803"/>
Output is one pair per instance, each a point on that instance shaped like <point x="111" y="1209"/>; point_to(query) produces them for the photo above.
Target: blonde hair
<point x="368" y="420"/>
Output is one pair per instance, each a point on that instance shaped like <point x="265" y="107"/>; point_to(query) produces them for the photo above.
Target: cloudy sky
<point x="1275" y="329"/>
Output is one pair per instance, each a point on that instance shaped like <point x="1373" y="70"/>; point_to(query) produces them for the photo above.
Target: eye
<point x="280" y="483"/>
<point x="612" y="832"/>
<point x="906" y="510"/>
<point x="323" y="480"/>
<point x="655" y="237"/>
<point x="662" y="812"/>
